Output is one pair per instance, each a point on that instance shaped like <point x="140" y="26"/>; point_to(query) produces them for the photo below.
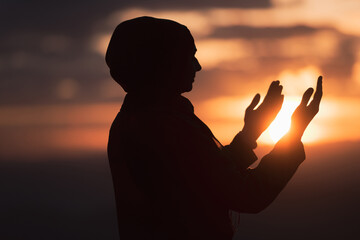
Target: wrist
<point x="247" y="138"/>
<point x="294" y="134"/>
<point x="248" y="134"/>
<point x="291" y="137"/>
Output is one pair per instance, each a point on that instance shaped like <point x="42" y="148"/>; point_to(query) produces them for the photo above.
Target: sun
<point x="281" y="125"/>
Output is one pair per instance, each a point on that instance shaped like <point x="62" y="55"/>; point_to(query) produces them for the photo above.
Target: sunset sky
<point x="56" y="94"/>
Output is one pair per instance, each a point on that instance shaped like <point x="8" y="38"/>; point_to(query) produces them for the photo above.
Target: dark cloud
<point x="77" y="17"/>
<point x="340" y="66"/>
<point x="48" y="16"/>
<point x="200" y="4"/>
<point x="263" y="32"/>
<point x="34" y="78"/>
<point x="43" y="42"/>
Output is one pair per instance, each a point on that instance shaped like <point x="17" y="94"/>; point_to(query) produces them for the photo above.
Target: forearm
<point x="263" y="184"/>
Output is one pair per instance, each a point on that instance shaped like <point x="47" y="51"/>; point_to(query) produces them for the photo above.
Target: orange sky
<point x="79" y="129"/>
<point x="236" y="66"/>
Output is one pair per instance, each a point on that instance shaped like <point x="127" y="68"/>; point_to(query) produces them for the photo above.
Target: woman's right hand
<point x="305" y="112"/>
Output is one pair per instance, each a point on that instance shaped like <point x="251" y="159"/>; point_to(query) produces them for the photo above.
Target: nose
<point x="197" y="66"/>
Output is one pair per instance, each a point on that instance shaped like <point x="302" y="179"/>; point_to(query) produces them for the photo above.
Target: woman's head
<point x="151" y="54"/>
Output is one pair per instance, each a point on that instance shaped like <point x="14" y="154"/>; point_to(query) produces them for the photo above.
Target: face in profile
<point x="186" y="77"/>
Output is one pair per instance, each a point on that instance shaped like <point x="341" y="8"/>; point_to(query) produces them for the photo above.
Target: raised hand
<point x="305" y="112"/>
<point x="258" y="120"/>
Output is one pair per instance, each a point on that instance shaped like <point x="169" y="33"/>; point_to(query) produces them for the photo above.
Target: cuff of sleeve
<point x="293" y="151"/>
<point x="241" y="139"/>
<point x="242" y="151"/>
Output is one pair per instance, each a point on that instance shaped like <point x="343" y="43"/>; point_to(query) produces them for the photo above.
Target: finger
<point x="279" y="90"/>
<point x="272" y="87"/>
<point x="306" y="97"/>
<point x="274" y="91"/>
<point x="314" y="105"/>
<point x="318" y="93"/>
<point x="274" y="84"/>
<point x="254" y="102"/>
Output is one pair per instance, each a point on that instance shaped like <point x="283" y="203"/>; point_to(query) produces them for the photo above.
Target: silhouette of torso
<point x="157" y="142"/>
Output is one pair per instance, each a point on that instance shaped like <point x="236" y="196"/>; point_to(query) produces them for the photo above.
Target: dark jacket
<point x="174" y="180"/>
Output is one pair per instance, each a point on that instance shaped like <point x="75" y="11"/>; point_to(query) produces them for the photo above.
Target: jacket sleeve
<point x="208" y="171"/>
<point x="240" y="152"/>
<point x="261" y="185"/>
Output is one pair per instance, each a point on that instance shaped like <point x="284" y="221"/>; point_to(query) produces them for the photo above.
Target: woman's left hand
<point x="258" y="120"/>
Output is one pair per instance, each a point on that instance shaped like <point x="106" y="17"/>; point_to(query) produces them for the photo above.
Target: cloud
<point x="43" y="44"/>
<point x="213" y="52"/>
<point x="229" y="47"/>
<point x="199" y="22"/>
<point x="250" y="32"/>
<point x="341" y="65"/>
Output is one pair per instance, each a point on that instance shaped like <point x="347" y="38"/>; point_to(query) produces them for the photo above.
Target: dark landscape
<point x="73" y="199"/>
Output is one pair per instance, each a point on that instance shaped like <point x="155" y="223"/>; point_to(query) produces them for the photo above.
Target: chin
<point x="186" y="85"/>
<point x="187" y="88"/>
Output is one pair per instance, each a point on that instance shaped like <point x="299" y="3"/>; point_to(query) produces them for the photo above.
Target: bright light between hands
<point x="281" y="125"/>
<point x="295" y="84"/>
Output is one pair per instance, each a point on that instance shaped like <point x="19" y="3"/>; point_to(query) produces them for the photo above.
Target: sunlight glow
<point x="215" y="52"/>
<point x="281" y="125"/>
<point x="295" y="83"/>
<point x="100" y="43"/>
<point x="356" y="73"/>
<point x="77" y="128"/>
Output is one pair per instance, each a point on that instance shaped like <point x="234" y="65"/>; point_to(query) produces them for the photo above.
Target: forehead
<point x="188" y="42"/>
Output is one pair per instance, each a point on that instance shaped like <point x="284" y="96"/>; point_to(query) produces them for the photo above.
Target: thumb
<point x="254" y="102"/>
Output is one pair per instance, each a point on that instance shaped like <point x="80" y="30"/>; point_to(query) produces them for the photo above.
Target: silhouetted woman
<point x="172" y="178"/>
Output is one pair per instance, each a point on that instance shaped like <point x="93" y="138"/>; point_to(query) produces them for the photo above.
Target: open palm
<point x="305" y="112"/>
<point x="258" y="120"/>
